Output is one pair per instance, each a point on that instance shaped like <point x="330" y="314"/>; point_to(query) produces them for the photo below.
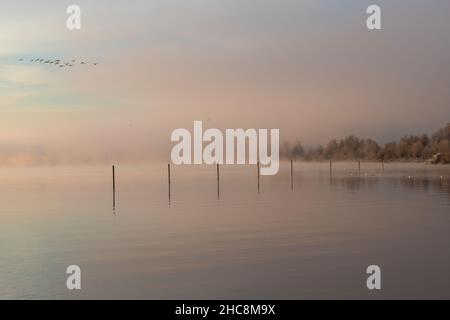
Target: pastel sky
<point x="309" y="68"/>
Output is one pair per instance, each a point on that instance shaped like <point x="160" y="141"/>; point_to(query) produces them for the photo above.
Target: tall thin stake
<point x="331" y="168"/>
<point x="168" y="175"/>
<point x="218" y="182"/>
<point x="114" y="186"/>
<point x="258" y="174"/>
<point x="359" y="166"/>
<point x="292" y="176"/>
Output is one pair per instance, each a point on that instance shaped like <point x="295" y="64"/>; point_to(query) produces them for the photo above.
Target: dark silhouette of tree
<point x="297" y="151"/>
<point x="409" y="148"/>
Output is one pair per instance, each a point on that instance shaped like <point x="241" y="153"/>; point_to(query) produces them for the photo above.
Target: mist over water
<point x="308" y="68"/>
<point x="314" y="241"/>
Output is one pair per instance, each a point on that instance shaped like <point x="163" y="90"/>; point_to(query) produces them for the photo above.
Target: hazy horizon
<point x="311" y="69"/>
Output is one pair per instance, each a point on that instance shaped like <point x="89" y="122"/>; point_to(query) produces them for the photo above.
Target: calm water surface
<point x="314" y="241"/>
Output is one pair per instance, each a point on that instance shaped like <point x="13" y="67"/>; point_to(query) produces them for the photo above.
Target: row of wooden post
<point x="218" y="177"/>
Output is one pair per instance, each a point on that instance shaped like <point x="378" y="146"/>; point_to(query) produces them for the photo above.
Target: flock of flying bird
<point x="61" y="64"/>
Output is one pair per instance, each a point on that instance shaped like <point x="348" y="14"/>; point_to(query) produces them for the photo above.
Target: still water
<point x="313" y="241"/>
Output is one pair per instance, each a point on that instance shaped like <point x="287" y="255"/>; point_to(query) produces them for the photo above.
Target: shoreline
<point x="162" y="164"/>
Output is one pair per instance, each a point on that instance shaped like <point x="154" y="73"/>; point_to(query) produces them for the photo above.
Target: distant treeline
<point x="410" y="148"/>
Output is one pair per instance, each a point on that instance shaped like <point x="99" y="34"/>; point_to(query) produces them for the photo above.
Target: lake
<point x="313" y="241"/>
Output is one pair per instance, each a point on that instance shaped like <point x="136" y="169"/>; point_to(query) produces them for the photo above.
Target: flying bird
<point x="59" y="63"/>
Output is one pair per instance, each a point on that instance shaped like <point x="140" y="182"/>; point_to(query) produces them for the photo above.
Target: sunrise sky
<point x="310" y="68"/>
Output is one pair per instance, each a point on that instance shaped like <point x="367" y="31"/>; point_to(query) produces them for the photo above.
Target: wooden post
<point x="114" y="186"/>
<point x="292" y="176"/>
<point x="331" y="168"/>
<point x="359" y="166"/>
<point x="258" y="174"/>
<point x="168" y="175"/>
<point x="218" y="182"/>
